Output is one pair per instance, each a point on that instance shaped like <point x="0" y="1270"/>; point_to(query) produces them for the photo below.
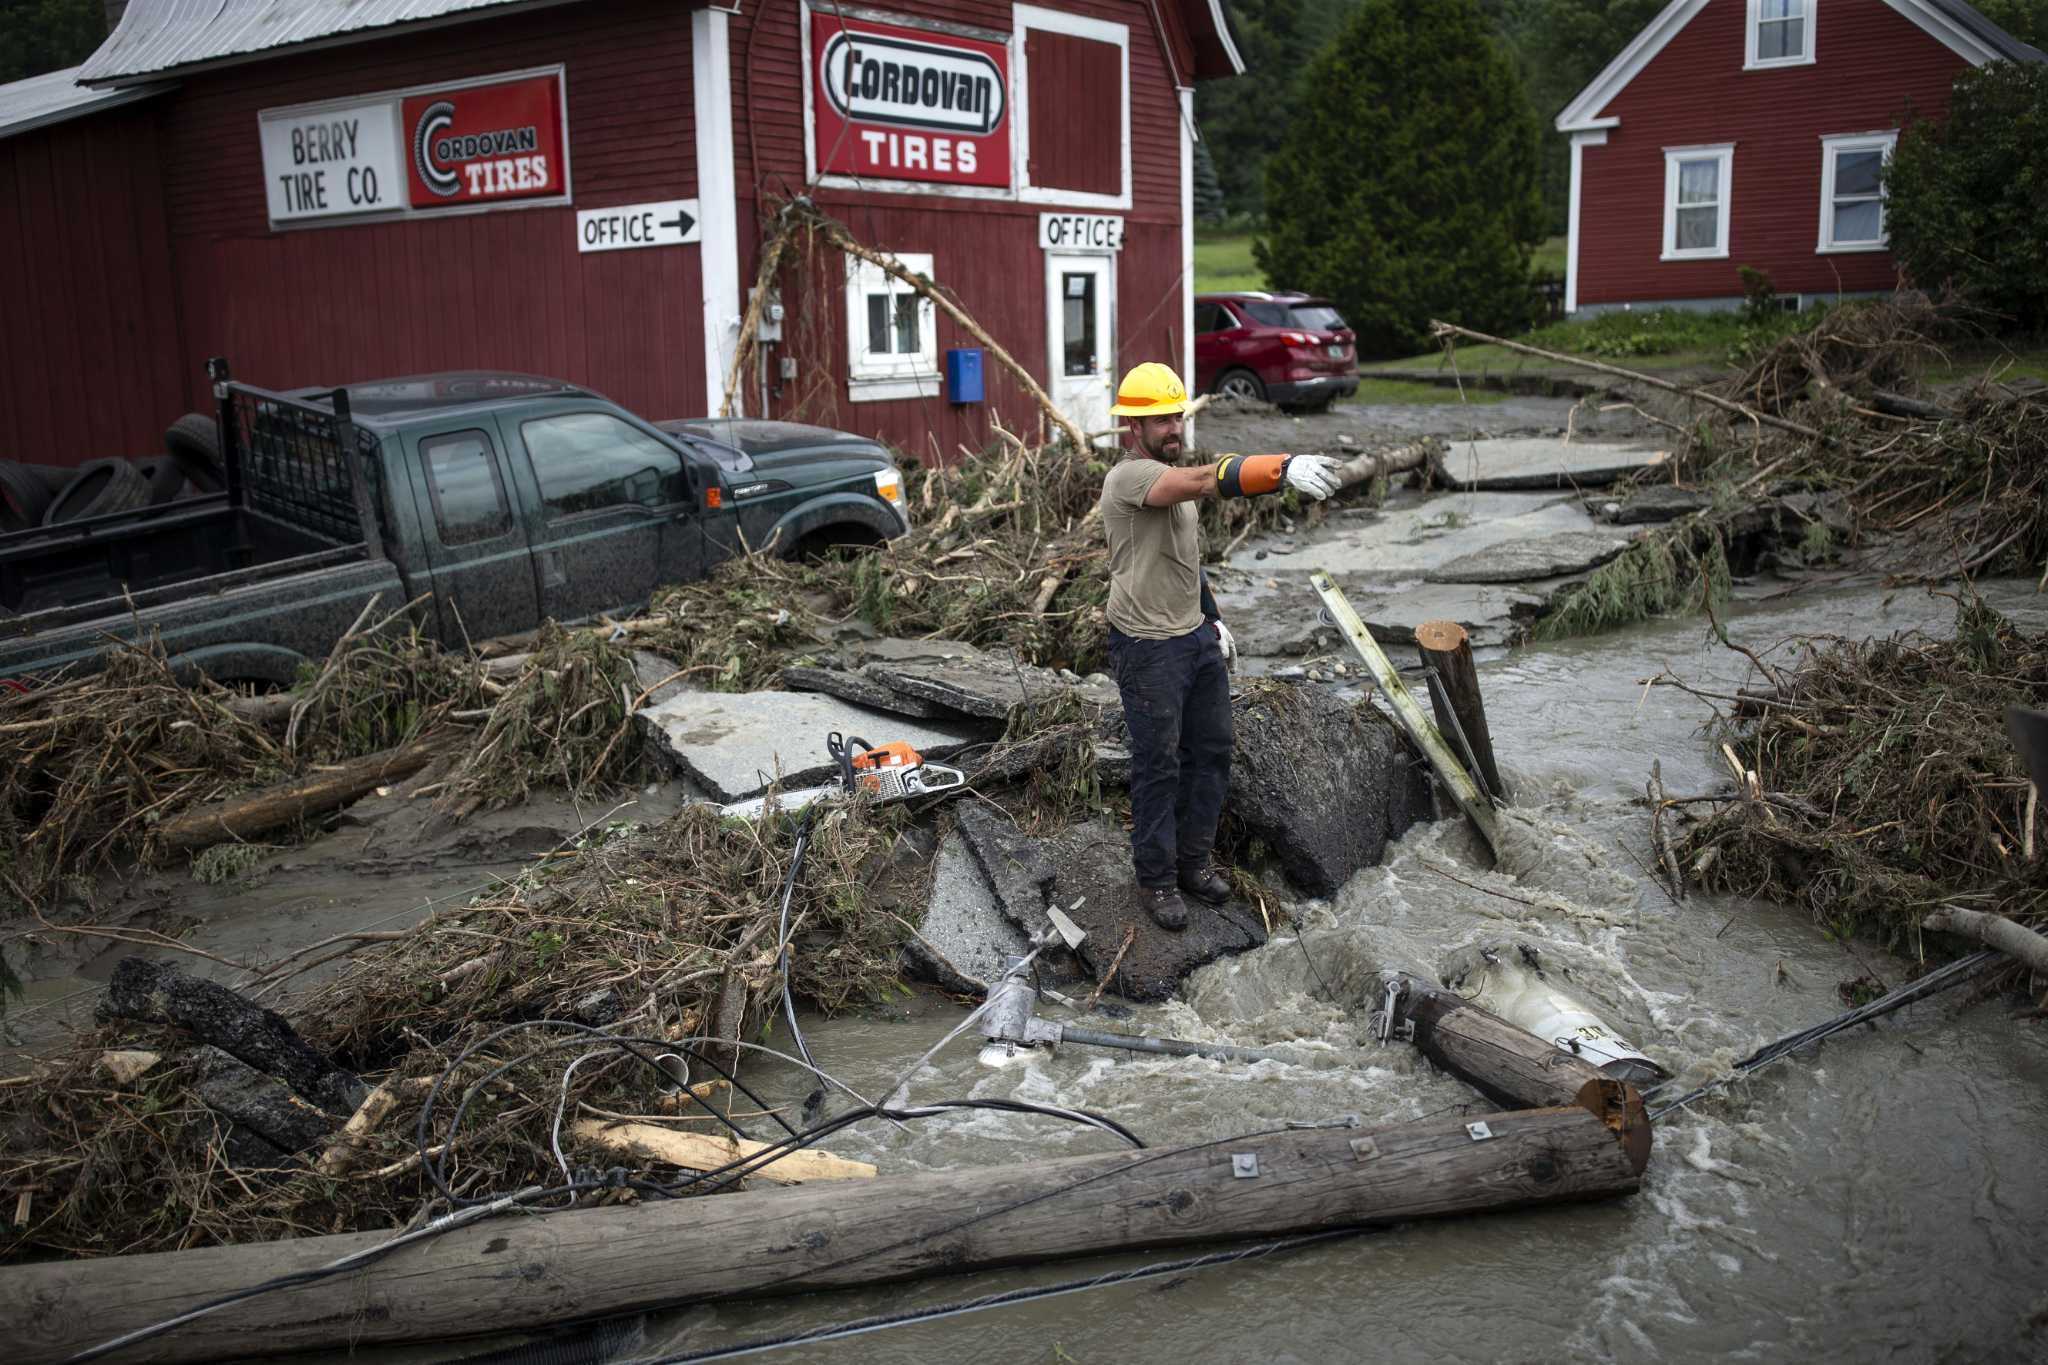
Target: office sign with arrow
<point x="623" y="227"/>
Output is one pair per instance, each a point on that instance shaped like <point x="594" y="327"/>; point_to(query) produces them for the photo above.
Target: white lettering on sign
<point x="672" y="222"/>
<point x="338" y="161"/>
<point x="878" y="78"/>
<point x="1080" y="232"/>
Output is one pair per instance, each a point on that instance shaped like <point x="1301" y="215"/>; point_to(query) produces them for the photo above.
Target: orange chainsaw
<point x="888" y="772"/>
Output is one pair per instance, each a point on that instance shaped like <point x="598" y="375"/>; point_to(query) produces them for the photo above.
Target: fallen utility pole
<point x="514" y="1273"/>
<point x="1407" y="711"/>
<point x="1447" y="651"/>
<point x="2016" y="941"/>
<point x="1443" y="329"/>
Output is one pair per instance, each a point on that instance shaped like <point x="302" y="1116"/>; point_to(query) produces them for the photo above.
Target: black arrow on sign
<point x="682" y="223"/>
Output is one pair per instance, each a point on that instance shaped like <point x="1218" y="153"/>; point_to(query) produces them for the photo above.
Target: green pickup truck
<point x="505" y="499"/>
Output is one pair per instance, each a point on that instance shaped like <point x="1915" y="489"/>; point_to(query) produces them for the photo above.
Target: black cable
<point x="1001" y="1299"/>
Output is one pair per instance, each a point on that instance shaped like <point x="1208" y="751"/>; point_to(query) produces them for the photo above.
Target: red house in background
<point x="1752" y="133"/>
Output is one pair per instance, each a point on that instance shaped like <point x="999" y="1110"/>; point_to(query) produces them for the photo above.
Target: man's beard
<point x="1169" y="450"/>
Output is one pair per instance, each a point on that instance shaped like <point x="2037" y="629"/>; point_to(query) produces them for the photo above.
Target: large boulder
<point x="1325" y="783"/>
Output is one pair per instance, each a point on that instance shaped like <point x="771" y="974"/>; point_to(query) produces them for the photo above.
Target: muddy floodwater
<point x="1880" y="1199"/>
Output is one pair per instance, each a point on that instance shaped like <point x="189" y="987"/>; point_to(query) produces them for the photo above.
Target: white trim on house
<point x="1580" y="114"/>
<point x="717" y="197"/>
<point x="1580" y="141"/>
<point x="1752" y="30"/>
<point x="1223" y="33"/>
<point x="1723" y="154"/>
<point x="1187" y="238"/>
<point x="1833" y="145"/>
<point x="876" y="376"/>
<point x="1945" y="31"/>
<point x="1024" y="18"/>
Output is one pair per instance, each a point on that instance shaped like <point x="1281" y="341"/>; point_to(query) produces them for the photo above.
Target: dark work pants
<point x="1176" y="696"/>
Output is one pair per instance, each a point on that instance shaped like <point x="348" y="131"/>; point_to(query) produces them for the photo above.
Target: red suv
<point x="1293" y="350"/>
<point x="1289" y="349"/>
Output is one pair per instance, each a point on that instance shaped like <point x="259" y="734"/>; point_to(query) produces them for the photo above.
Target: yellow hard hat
<point x="1150" y="390"/>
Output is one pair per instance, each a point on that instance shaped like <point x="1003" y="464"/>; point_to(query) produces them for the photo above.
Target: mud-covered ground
<point x="1227" y="425"/>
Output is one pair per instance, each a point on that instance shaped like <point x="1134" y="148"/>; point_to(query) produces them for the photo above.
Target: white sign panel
<point x="1080" y="232"/>
<point x="333" y="162"/>
<point x="672" y="222"/>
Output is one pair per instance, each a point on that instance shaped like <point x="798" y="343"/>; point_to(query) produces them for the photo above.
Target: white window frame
<point x="1725" y="183"/>
<point x="1751" y="30"/>
<point x="1833" y="145"/>
<point x="873" y="377"/>
<point x="1024" y="19"/>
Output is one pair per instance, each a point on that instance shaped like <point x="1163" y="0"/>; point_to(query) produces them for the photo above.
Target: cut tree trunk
<point x="710" y="1151"/>
<point x="1363" y="467"/>
<point x="1447" y="651"/>
<point x="2016" y="941"/>
<point x="513" y="1273"/>
<point x="159" y="994"/>
<point x="274" y="806"/>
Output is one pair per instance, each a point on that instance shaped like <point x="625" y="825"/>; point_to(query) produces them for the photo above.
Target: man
<point x="1168" y="646"/>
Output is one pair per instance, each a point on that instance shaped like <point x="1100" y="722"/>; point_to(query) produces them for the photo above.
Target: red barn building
<point x="333" y="190"/>
<point x="1736" y="133"/>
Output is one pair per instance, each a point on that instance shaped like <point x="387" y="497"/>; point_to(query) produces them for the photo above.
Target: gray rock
<point x="1323" y="782"/>
<point x="734" y="744"/>
<point x="964" y="922"/>
<point x="1566" y="552"/>
<point x="263" y="1105"/>
<point x="862" y="690"/>
<point x="1014" y="864"/>
<point x="1093" y="863"/>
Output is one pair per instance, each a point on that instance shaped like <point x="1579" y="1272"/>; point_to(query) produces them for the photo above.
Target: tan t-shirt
<point x="1155" y="567"/>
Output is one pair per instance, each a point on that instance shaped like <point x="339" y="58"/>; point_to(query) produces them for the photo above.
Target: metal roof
<point x="166" y="35"/>
<point x="56" y="96"/>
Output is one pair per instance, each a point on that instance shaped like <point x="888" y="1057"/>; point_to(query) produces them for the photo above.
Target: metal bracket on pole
<point x="1407" y="711"/>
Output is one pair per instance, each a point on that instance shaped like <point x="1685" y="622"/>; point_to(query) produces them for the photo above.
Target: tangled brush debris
<point x="1883" y="782"/>
<point x="667" y="933"/>
<point x="1956" y="486"/>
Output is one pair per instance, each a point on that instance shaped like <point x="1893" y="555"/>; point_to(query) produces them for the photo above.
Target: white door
<point x="1079" y="321"/>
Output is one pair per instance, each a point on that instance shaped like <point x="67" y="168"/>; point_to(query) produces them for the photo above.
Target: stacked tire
<point x="33" y="495"/>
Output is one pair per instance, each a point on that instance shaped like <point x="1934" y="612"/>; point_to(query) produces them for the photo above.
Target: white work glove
<point x="1313" y="476"/>
<point x="1226" y="642"/>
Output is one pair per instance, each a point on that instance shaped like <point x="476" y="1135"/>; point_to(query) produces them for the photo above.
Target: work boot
<point x="1203" y="881"/>
<point x="1164" y="904"/>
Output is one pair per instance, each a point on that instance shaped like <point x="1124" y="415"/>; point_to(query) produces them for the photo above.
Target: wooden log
<point x="1360" y="468"/>
<point x="513" y="1273"/>
<point x="1407" y="711"/>
<point x="709" y="1151"/>
<point x="160" y="994"/>
<point x="274" y="806"/>
<point x="2016" y="941"/>
<point x="1446" y="649"/>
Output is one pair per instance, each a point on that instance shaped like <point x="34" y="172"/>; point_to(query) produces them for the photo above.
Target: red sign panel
<point x="894" y="103"/>
<point x="484" y="143"/>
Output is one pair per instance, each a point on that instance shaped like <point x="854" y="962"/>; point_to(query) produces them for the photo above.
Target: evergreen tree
<point x="1209" y="206"/>
<point x="1244" y="117"/>
<point x="48" y="35"/>
<point x="1406" y="188"/>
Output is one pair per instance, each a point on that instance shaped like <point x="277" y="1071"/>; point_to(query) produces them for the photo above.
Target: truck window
<point x="463" y="483"/>
<point x="587" y="461"/>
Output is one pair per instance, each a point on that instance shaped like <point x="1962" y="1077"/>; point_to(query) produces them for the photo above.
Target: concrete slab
<point x="1518" y="561"/>
<point x="862" y="690"/>
<point x="1524" y="462"/>
<point x="1414" y="533"/>
<point x="964" y="922"/>
<point x="734" y="744"/>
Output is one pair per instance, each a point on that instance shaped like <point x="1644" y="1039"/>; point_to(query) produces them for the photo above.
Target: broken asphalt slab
<point x="1323" y="782"/>
<point x="1518" y="561"/>
<point x="968" y="940"/>
<point x="935" y="679"/>
<point x="735" y="744"/>
<point x="1284" y="619"/>
<point x="1527" y="463"/>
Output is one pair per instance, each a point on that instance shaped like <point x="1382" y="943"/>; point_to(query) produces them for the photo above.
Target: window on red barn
<point x="1077" y="125"/>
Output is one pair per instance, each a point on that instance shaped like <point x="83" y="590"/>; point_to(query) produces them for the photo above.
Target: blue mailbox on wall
<point x="963" y="375"/>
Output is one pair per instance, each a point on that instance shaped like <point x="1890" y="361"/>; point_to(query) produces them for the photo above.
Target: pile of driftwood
<point x="1875" y="784"/>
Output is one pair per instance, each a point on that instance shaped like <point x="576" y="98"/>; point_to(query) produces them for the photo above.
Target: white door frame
<point x="1085" y="400"/>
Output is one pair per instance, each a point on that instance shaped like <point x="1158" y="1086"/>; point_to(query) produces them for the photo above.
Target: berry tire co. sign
<point x="468" y="145"/>
<point x="895" y="103"/>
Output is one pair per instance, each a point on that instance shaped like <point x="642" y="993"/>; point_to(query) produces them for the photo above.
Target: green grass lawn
<point x="1414" y="391"/>
<point x="1223" y="261"/>
<point x="2007" y="362"/>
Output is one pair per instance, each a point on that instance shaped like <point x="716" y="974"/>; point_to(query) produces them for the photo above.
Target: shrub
<point x="1968" y="198"/>
<point x="1406" y="188"/>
